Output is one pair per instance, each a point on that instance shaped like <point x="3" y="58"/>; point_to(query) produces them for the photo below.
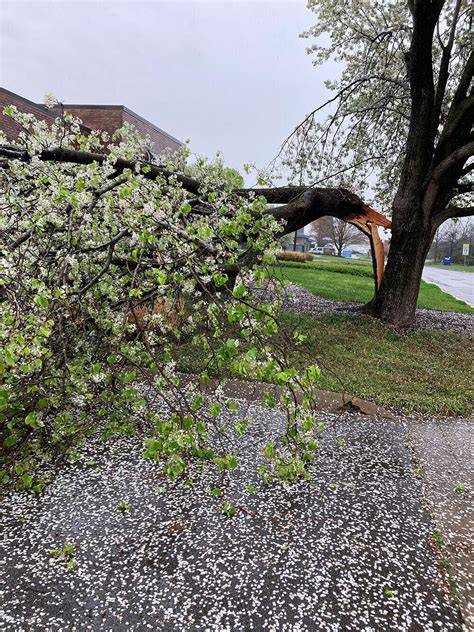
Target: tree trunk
<point x="396" y="300"/>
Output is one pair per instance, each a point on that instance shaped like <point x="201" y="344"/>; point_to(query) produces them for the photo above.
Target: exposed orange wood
<point x="368" y="222"/>
<point x="378" y="253"/>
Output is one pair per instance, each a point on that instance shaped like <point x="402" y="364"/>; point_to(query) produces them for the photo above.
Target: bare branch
<point x="444" y="65"/>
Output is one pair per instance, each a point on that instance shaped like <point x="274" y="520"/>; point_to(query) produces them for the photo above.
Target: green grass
<point x="363" y="261"/>
<point x="454" y="266"/>
<point x="426" y="372"/>
<point x="352" y="283"/>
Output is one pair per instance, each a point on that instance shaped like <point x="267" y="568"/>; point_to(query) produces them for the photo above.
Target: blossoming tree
<point x="399" y="124"/>
<point x="107" y="265"/>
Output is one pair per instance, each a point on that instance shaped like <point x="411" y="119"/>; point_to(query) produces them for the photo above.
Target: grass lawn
<point x="426" y="372"/>
<point x="454" y="266"/>
<point x="363" y="261"/>
<point x="348" y="282"/>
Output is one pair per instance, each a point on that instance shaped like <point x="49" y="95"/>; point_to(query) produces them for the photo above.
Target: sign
<point x="465" y="250"/>
<point x="347" y="253"/>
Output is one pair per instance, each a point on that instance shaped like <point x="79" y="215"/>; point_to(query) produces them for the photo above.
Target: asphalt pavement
<point x="350" y="550"/>
<point x="458" y="284"/>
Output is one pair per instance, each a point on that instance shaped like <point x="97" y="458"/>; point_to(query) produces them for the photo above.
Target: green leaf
<point x="229" y="510"/>
<point x="269" y="451"/>
<point x="33" y="421"/>
<point x="10" y="441"/>
<point x="239" y="291"/>
<point x="25" y="481"/>
<point x="232" y="406"/>
<point x="41" y="300"/>
<point x="197" y="402"/>
<point x="215" y="408"/>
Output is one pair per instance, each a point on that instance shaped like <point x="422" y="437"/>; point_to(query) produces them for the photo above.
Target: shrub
<point x="341" y="268"/>
<point x="300" y="257"/>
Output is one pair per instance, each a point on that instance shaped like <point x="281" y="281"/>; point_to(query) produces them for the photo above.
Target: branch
<point x="101" y="272"/>
<point x="454" y="211"/>
<point x="444" y="65"/>
<point x="462" y="188"/>
<point x="459" y="155"/>
<point x="464" y="84"/>
<point x="302" y="204"/>
<point x="307" y="205"/>
<point x="59" y="154"/>
<point x="467" y="169"/>
<point x="437" y="179"/>
<point x="457" y="125"/>
<point x="339" y="95"/>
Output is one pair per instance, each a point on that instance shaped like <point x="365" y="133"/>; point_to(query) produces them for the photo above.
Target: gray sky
<point x="232" y="76"/>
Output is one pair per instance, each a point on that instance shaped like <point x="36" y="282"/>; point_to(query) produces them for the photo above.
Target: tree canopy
<point x="399" y="125"/>
<point x="358" y="137"/>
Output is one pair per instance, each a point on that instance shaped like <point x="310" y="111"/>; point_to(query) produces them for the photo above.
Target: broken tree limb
<point x="304" y="206"/>
<point x="61" y="154"/>
<point x="296" y="207"/>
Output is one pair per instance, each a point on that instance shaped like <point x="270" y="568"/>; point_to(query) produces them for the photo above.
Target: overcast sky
<point x="230" y="76"/>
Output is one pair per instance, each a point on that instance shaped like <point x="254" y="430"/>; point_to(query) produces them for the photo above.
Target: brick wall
<point x="110" y="117"/>
<point x="104" y="118"/>
<point x="107" y="118"/>
<point x="7" y="125"/>
<point x="160" y="139"/>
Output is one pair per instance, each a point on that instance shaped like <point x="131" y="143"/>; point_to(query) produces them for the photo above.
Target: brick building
<point x="107" y="118"/>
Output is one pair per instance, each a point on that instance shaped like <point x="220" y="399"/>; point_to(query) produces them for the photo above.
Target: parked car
<point x="323" y="250"/>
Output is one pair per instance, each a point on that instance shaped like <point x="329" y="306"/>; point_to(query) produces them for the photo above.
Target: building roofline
<point x="78" y="106"/>
<point x="21" y="98"/>
<point x="95" y="106"/>
<point x="158" y="129"/>
<point x="89" y="106"/>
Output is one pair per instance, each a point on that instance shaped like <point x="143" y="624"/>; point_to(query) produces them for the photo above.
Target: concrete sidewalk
<point x="443" y="450"/>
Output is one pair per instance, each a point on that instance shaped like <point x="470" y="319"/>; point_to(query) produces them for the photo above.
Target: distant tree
<point x="287" y="241"/>
<point x="450" y="237"/>
<point x="336" y="232"/>
<point x="321" y="229"/>
<point x="435" y="247"/>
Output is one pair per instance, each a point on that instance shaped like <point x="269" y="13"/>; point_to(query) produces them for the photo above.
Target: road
<point x="458" y="284"/>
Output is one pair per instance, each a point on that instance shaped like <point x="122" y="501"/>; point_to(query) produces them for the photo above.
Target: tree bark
<point x="395" y="302"/>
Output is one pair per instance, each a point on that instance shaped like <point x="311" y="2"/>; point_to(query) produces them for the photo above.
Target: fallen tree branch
<point x="297" y="206"/>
